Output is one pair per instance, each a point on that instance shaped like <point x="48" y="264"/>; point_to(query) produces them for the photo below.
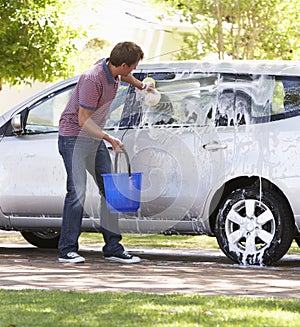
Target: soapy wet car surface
<point x="161" y="271"/>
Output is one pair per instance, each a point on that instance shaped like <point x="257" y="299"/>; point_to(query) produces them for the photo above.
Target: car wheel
<point x="297" y="240"/>
<point x="254" y="227"/>
<point x="46" y="240"/>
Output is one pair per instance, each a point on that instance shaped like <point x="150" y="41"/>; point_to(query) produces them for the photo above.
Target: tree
<point x="36" y="42"/>
<point x="244" y="29"/>
<point x="90" y="53"/>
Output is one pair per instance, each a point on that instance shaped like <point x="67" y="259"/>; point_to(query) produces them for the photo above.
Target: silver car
<point x="219" y="150"/>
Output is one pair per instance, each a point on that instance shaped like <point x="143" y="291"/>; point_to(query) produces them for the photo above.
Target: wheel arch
<point x="239" y="182"/>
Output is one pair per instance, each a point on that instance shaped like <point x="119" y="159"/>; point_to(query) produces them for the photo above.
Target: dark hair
<point x="126" y="52"/>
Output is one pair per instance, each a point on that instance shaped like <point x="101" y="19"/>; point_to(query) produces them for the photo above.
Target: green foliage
<point x="36" y="42"/>
<point x="243" y="29"/>
<point x="29" y="308"/>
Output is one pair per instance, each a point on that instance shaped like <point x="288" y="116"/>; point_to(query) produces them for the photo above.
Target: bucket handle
<point x="127" y="161"/>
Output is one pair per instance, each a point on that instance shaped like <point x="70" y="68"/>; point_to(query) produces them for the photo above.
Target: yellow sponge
<point x="149" y="80"/>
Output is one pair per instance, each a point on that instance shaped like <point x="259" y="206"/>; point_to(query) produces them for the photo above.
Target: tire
<point x="254" y="227"/>
<point x="45" y="240"/>
<point x="297" y="240"/>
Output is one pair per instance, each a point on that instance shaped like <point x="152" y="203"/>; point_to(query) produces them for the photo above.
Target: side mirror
<point x="16" y="123"/>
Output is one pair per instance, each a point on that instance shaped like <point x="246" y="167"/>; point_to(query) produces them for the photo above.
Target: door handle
<point x="214" y="146"/>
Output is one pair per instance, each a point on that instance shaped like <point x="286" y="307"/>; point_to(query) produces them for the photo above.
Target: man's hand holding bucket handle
<point x="116" y="144"/>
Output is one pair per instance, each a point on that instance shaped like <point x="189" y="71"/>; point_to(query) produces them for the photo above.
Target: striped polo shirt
<point x="95" y="91"/>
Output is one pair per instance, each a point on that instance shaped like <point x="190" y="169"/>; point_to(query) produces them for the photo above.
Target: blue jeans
<point x="82" y="155"/>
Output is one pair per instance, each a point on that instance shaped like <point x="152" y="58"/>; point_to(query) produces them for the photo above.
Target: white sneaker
<point x="72" y="257"/>
<point x="123" y="257"/>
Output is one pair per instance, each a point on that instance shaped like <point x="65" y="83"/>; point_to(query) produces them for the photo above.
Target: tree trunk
<point x="220" y="30"/>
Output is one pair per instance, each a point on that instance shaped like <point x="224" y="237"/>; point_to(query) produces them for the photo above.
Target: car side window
<point x="286" y="97"/>
<point x="244" y="99"/>
<point x="234" y="108"/>
<point x="195" y="99"/>
<point x="181" y="99"/>
<point x="44" y="116"/>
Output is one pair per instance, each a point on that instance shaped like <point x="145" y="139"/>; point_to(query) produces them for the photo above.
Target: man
<point x="83" y="150"/>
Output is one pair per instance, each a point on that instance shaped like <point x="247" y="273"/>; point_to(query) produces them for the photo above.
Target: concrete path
<point x="161" y="271"/>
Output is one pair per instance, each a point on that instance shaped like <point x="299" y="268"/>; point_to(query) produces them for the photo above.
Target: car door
<point x="33" y="176"/>
<point x="174" y="144"/>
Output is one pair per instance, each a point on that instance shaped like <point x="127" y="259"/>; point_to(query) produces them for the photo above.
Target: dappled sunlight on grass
<point x="54" y="308"/>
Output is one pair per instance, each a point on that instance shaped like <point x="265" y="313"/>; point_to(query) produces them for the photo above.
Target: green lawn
<point x="30" y="308"/>
<point x="157" y="241"/>
<point x="162" y="241"/>
<point x="145" y="240"/>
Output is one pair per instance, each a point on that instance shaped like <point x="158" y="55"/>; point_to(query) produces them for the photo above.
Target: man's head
<point x="127" y="53"/>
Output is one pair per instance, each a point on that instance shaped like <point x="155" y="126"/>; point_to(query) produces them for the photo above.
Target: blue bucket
<point x="123" y="190"/>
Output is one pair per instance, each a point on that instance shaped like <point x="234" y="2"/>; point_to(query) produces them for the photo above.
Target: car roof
<point x="264" y="67"/>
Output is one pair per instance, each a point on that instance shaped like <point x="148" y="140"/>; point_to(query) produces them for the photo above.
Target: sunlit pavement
<point x="160" y="271"/>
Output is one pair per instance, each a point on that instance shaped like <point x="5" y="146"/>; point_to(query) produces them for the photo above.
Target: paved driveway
<point x="161" y="271"/>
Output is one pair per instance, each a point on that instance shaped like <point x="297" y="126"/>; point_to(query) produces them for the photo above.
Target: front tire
<point x="254" y="226"/>
<point x="45" y="240"/>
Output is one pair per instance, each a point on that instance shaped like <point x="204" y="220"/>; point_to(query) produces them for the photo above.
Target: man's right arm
<point x="86" y="122"/>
